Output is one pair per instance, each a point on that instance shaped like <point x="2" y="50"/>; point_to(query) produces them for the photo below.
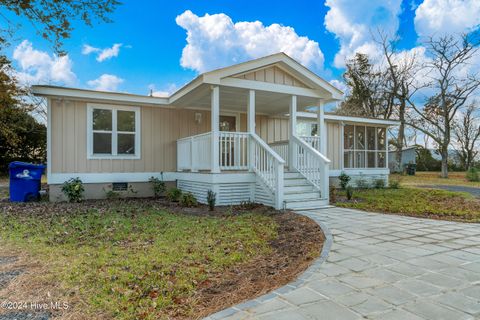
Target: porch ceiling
<point x="235" y="99"/>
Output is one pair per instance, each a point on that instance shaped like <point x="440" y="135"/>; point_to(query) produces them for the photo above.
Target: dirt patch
<point x="298" y="244"/>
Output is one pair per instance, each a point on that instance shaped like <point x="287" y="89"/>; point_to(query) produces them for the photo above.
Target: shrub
<point x="394" y="182"/>
<point x="349" y="190"/>
<point x="379" y="183"/>
<point x="473" y="175"/>
<point x="174" y="194"/>
<point x="361" y="183"/>
<point x="344" y="180"/>
<point x="188" y="200"/>
<point x="211" y="199"/>
<point x="73" y="189"/>
<point x="333" y="194"/>
<point x="158" y="186"/>
<point x="248" y="205"/>
<point x="112" y="194"/>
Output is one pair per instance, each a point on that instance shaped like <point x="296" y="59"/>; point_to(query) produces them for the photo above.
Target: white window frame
<point x="366" y="151"/>
<point x="115" y="132"/>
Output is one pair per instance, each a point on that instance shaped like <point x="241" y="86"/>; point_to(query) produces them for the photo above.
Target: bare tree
<point x="467" y="134"/>
<point x="452" y="85"/>
<point x="401" y="68"/>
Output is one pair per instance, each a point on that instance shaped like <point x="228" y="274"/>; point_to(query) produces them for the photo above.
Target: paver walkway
<point x="381" y="267"/>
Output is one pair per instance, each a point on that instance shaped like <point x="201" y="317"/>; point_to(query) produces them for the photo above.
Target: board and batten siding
<point x="334" y="145"/>
<point x="160" y="129"/>
<point x="273" y="74"/>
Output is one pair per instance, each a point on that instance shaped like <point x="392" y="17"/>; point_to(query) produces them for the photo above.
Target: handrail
<point x="311" y="149"/>
<point x="195" y="136"/>
<point x="267" y="147"/>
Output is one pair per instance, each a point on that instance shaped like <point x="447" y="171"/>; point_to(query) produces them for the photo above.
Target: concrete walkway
<point x="381" y="267"/>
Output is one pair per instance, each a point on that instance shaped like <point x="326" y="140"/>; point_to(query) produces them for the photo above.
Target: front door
<point x="227" y="143"/>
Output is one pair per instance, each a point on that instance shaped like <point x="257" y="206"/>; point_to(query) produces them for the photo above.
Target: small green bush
<point x="394" y="182"/>
<point x="344" y="180"/>
<point x="174" y="194"/>
<point x="349" y="190"/>
<point x="473" y="175"/>
<point x="73" y="189"/>
<point x="158" y="186"/>
<point x="188" y="200"/>
<point x="211" y="199"/>
<point x="110" y="194"/>
<point x="361" y="183"/>
<point x="379" y="183"/>
<point x="248" y="205"/>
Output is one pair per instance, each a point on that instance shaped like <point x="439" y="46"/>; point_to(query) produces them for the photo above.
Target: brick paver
<point x="381" y="267"/>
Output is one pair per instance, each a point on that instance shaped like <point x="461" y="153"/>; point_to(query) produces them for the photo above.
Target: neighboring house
<point x="231" y="130"/>
<point x="409" y="156"/>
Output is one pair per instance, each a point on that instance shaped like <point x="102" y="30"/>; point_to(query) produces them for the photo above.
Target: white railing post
<point x="279" y="186"/>
<point x="251" y="127"/>
<point x="321" y="128"/>
<point x="215" y="122"/>
<point x="292" y="131"/>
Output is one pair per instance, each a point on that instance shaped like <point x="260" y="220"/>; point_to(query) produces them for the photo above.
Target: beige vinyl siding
<point x="160" y="128"/>
<point x="273" y="74"/>
<point x="334" y="145"/>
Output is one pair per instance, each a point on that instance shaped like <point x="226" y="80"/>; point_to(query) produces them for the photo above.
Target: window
<point x="113" y="132"/>
<point x="364" y="147"/>
<point x="306" y="129"/>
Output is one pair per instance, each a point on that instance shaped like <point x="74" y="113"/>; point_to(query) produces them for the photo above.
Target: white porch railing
<point x="200" y="147"/>
<point x="314" y="141"/>
<point x="233" y="150"/>
<point x="281" y="148"/>
<point x="269" y="166"/>
<point x="311" y="164"/>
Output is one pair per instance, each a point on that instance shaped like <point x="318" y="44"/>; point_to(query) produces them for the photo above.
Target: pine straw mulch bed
<point x="298" y="244"/>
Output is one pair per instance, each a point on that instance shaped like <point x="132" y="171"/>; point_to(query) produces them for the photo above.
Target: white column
<point x="292" y="131"/>
<point x="251" y="127"/>
<point x="215" y="121"/>
<point x="321" y="128"/>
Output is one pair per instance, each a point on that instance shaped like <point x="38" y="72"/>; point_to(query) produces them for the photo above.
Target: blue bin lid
<point x="19" y="164"/>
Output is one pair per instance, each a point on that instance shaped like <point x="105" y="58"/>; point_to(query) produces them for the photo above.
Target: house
<point x="409" y="156"/>
<point x="234" y="131"/>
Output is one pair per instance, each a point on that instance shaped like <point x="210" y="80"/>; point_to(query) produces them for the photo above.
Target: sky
<point x="162" y="45"/>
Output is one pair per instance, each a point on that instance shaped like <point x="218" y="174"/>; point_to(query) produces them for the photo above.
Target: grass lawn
<point x="423" y="178"/>
<point x="127" y="261"/>
<point x="431" y="203"/>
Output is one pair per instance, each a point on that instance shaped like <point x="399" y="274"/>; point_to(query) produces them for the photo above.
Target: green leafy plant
<point x="188" y="200"/>
<point x="173" y="194"/>
<point x="344" y="180"/>
<point x="211" y="199"/>
<point x="379" y="183"/>
<point x="394" y="182"/>
<point x="333" y="194"/>
<point x="473" y="175"/>
<point x="349" y="190"/>
<point x="158" y="186"/>
<point x="110" y="194"/>
<point x="361" y="183"/>
<point x="73" y="189"/>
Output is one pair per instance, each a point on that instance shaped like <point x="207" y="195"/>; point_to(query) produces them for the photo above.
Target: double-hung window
<point x="113" y="132"/>
<point x="364" y="146"/>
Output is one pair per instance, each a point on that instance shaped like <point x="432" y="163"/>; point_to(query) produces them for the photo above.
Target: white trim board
<point x="334" y="117"/>
<point x="360" y="171"/>
<point x="59" y="178"/>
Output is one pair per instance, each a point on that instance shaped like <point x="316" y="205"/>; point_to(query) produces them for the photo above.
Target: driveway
<point x="472" y="190"/>
<point x="381" y="267"/>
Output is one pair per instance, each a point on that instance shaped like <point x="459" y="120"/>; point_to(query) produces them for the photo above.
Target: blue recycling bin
<point x="25" y="180"/>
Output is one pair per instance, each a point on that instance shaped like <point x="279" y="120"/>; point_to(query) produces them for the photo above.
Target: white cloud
<point x="102" y="54"/>
<point x="354" y="21"/>
<point x="106" y="82"/>
<point x="215" y="41"/>
<point x="165" y="92"/>
<point x="340" y="85"/>
<point x="437" y="17"/>
<point x="39" y="67"/>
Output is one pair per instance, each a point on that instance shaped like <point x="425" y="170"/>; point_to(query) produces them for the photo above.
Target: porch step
<point x="304" y="196"/>
<point x="292" y="175"/>
<point x="298" y="188"/>
<point x="296" y="182"/>
<point x="306" y="205"/>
